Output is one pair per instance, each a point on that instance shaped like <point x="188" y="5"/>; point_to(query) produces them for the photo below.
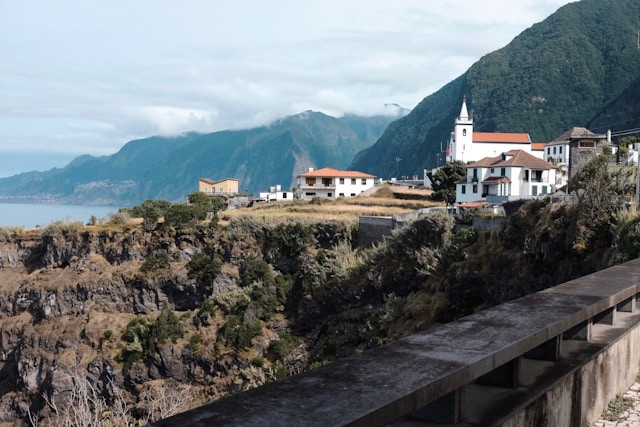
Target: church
<point x="469" y="146"/>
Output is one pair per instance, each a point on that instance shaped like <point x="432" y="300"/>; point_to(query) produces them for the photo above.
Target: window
<point x="329" y="194"/>
<point x="475" y="188"/>
<point x="526" y="175"/>
<point x="363" y="181"/>
<point x="327" y="182"/>
<point x="534" y="190"/>
<point x="309" y="194"/>
<point x="560" y="149"/>
<point x="353" y="194"/>
<point x="548" y="150"/>
<point x="341" y="180"/>
<point x="493" y="170"/>
<point x="554" y="150"/>
<point x="341" y="195"/>
<point x="222" y="189"/>
<point x="353" y="181"/>
<point x="587" y="144"/>
<point x="284" y="194"/>
<point x="503" y="172"/>
<point x="464" y="132"/>
<point x="310" y="181"/>
<point x="544" y="189"/>
<point x="538" y="176"/>
<point x="475" y="173"/>
<point x="464" y="189"/>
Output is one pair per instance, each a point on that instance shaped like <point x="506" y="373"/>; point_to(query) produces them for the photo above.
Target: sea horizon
<point x="31" y="215"/>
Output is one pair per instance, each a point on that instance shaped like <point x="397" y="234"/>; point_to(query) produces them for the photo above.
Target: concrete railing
<point x="499" y="366"/>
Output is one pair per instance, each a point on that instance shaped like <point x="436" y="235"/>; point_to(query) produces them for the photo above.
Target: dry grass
<point x="381" y="203"/>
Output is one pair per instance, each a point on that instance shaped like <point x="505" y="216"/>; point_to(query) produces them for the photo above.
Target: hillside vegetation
<point x="578" y="67"/>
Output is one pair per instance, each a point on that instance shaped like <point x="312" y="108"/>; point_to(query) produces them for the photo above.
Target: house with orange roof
<point x="469" y="146"/>
<point x="512" y="175"/>
<point x="330" y="183"/>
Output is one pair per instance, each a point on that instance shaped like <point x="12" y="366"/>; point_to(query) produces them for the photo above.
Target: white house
<point x="469" y="146"/>
<point x="275" y="193"/>
<point x="512" y="175"/>
<point x="329" y="183"/>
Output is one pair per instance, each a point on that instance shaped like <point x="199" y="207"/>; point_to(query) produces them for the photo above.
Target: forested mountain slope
<point x="566" y="71"/>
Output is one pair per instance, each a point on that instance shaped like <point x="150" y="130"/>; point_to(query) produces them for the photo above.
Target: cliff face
<point x="65" y="302"/>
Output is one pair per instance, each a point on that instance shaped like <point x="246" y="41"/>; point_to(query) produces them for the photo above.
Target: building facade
<point x="331" y="183"/>
<point x="224" y="186"/>
<point x="512" y="175"/>
<point x="275" y="194"/>
<point x="469" y="146"/>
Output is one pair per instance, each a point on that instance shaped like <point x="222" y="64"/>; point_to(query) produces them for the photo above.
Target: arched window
<point x="464" y="132"/>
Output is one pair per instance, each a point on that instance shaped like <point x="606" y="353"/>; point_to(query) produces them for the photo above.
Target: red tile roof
<point x="517" y="158"/>
<point x="513" y="138"/>
<point x="335" y="173"/>
<point x="538" y="146"/>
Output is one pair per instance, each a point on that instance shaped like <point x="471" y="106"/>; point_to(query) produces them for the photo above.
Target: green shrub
<point x="108" y="334"/>
<point x="194" y="342"/>
<point x="239" y="335"/>
<point x="204" y="268"/>
<point x="155" y="263"/>
<point x="144" y="336"/>
<point x="281" y="348"/>
<point x="258" y="362"/>
<point x="255" y="269"/>
<point x="183" y="215"/>
<point x="209" y="306"/>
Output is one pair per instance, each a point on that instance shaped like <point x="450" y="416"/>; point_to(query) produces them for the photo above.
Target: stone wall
<point x="372" y="229"/>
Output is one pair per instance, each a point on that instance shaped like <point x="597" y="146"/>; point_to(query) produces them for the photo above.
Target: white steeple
<point x="464" y="118"/>
<point x="462" y="135"/>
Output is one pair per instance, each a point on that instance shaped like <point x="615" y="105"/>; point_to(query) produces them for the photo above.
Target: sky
<point x="81" y="77"/>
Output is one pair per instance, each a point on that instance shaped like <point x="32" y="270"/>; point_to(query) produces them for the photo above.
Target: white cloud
<point x="85" y="77"/>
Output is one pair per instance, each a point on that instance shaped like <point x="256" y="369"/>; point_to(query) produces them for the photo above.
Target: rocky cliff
<point x="68" y="301"/>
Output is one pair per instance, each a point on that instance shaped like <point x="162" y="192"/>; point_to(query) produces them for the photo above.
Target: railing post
<point x="548" y="350"/>
<point x="445" y="410"/>
<point x="580" y="332"/>
<point x="507" y="375"/>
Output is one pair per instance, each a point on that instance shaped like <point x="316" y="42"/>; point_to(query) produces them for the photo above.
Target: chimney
<point x="609" y="136"/>
<point x="310" y="168"/>
<point x="278" y="188"/>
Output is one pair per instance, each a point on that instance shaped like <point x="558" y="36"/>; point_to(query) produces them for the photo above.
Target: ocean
<point x="29" y="215"/>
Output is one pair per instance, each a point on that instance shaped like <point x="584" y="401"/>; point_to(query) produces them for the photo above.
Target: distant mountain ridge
<point x="579" y="67"/>
<point x="169" y="167"/>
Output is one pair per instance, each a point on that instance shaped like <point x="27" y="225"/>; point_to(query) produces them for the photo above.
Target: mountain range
<point x="578" y="67"/>
<point x="169" y="167"/>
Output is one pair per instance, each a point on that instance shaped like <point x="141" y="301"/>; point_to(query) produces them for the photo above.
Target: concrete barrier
<point x="551" y="358"/>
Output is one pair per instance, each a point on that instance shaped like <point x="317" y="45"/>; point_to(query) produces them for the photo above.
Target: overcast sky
<point x="84" y="77"/>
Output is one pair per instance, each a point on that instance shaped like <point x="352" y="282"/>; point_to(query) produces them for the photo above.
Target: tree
<point x="596" y="191"/>
<point x="444" y="181"/>
<point x="204" y="268"/>
<point x="182" y="215"/>
<point x="150" y="211"/>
